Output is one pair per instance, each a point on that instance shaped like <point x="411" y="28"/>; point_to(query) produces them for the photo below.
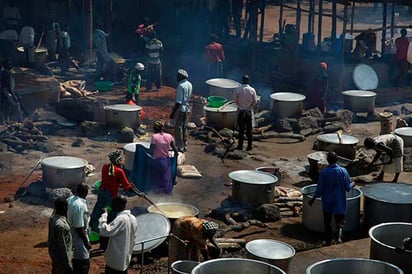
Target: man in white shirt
<point x="121" y="232"/>
<point x="181" y="108"/>
<point x="245" y="99"/>
<point x="78" y="217"/>
<point x="26" y="39"/>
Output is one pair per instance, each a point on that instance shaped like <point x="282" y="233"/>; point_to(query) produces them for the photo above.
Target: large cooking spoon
<point x="141" y="194"/>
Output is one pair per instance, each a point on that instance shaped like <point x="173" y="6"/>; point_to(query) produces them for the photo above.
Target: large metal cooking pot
<point x="222" y="87"/>
<point x="387" y="202"/>
<point x="287" y="104"/>
<point x="272" y="252"/>
<point x="386" y="238"/>
<point x="365" y="77"/>
<point x="312" y="216"/>
<point x="183" y="266"/>
<point x="152" y="230"/>
<point x="251" y="187"/>
<point x="359" y="100"/>
<point x="174" y="210"/>
<point x="406" y="134"/>
<point x="129" y="151"/>
<point x="222" y="117"/>
<point x="236" y="266"/>
<point x="122" y="115"/>
<point x="352" y="266"/>
<point x="63" y="171"/>
<point x="345" y="147"/>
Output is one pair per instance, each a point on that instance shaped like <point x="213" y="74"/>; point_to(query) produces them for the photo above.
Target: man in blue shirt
<point x="333" y="183"/>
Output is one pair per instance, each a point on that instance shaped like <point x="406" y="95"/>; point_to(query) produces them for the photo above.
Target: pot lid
<point x="365" y="77"/>
<point x="252" y="177"/>
<point x="395" y="193"/>
<point x="270" y="249"/>
<point x="222" y="83"/>
<point x="64" y="162"/>
<point x="123" y="107"/>
<point x="151" y="227"/>
<point x="404" y="131"/>
<point x="287" y="96"/>
<point x="332" y="138"/>
<point x="359" y="93"/>
<point x="131" y="147"/>
<point x="174" y="210"/>
<point x="225" y="108"/>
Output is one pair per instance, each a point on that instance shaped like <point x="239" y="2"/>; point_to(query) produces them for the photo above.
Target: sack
<point x="188" y="171"/>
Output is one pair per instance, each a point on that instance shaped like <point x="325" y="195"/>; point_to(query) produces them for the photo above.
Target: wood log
<point x="288" y="213"/>
<point x="261" y="130"/>
<point x="14" y="142"/>
<point x="230" y="240"/>
<point x="25" y="136"/>
<point x="288" y="199"/>
<point x="268" y="135"/>
<point x="230" y="246"/>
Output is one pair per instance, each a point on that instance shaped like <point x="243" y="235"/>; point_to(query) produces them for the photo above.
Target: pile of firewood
<point x="21" y="136"/>
<point x="289" y="201"/>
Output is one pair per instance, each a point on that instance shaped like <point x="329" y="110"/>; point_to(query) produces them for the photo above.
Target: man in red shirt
<point x="113" y="177"/>
<point x="215" y="56"/>
<point x="402" y="46"/>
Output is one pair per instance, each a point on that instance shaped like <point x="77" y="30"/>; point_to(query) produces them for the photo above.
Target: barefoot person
<point x="333" y="183"/>
<point x="161" y="142"/>
<point x="389" y="148"/>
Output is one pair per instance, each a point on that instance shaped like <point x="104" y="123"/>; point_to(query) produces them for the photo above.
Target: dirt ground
<point x="23" y="222"/>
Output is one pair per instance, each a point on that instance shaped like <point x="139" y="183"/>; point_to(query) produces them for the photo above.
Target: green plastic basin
<point x="104" y="85"/>
<point x="216" y="101"/>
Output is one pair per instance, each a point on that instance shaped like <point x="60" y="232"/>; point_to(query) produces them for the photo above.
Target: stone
<point x="307" y="122"/>
<point x="59" y="192"/>
<point x="126" y="135"/>
<point x="283" y="125"/>
<point x="406" y="109"/>
<point x="92" y="129"/>
<point x="314" y="112"/>
<point x="346" y="116"/>
<point x="78" y="143"/>
<point x="268" y="213"/>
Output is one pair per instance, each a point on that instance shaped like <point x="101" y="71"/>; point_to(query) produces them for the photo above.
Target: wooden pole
<point x="298" y="19"/>
<point x="352" y="15"/>
<point x="90" y="28"/>
<point x="393" y="18"/>
<point x="320" y="25"/>
<point x="385" y="13"/>
<point x="333" y="32"/>
<point x="281" y="17"/>
<point x="262" y="21"/>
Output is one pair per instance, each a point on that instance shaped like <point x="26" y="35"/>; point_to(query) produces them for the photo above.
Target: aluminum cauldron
<point x="221" y="117"/>
<point x="122" y="115"/>
<point x="312" y="216"/>
<point x="63" y="171"/>
<point x="359" y="100"/>
<point x="271" y="251"/>
<point x="386" y="239"/>
<point x="129" y="152"/>
<point x="236" y="266"/>
<point x="222" y="87"/>
<point x="387" y="202"/>
<point x="287" y="104"/>
<point x="352" y="266"/>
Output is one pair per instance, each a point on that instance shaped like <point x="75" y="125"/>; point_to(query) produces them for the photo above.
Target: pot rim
<point x="290" y="248"/>
<point x="346" y="260"/>
<point x="59" y="162"/>
<point x="270" y="266"/>
<point x="393" y="189"/>
<point x="334" y="139"/>
<point x="270" y="179"/>
<point x="375" y="227"/>
<point x="290" y="96"/>
<point x="152" y="209"/>
<point x="357" y="93"/>
<point x="403" y="131"/>
<point x="123" y="107"/>
<point x="230" y="84"/>
<point x="304" y="192"/>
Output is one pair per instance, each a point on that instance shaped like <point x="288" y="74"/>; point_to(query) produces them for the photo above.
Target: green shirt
<point x="134" y="82"/>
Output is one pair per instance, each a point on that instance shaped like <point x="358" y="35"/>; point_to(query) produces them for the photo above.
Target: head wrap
<point x="158" y="125"/>
<point x="114" y="157"/>
<point x="210" y="228"/>
<point x="183" y="73"/>
<point x="324" y="66"/>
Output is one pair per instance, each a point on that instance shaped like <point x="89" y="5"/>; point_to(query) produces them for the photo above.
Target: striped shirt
<point x="154" y="48"/>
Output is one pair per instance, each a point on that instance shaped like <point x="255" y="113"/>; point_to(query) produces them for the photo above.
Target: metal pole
<point x="385" y="13"/>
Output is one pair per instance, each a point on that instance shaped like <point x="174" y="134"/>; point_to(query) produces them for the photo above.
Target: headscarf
<point x="114" y="157"/>
<point x="210" y="228"/>
<point x="158" y="125"/>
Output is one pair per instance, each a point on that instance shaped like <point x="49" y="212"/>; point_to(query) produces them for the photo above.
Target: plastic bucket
<point x="216" y="101"/>
<point x="183" y="267"/>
